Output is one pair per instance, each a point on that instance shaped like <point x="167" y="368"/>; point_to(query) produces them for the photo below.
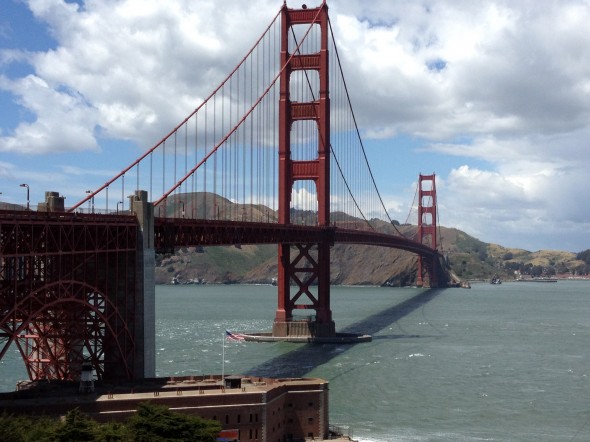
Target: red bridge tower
<point x="427" y="229"/>
<point x="310" y="264"/>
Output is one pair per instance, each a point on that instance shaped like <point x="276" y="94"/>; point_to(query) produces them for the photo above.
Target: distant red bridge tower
<point x="309" y="265"/>
<point x="427" y="229"/>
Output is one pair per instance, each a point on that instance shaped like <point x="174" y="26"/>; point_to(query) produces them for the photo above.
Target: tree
<point x="584" y="256"/>
<point x="150" y="423"/>
<point x="12" y="428"/>
<point x="77" y="427"/>
<point x="156" y="423"/>
<point x="24" y="429"/>
<point x="114" y="432"/>
<point x="561" y="267"/>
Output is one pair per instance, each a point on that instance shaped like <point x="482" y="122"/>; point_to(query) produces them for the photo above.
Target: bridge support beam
<point x="304" y="269"/>
<point x="306" y="273"/>
<point x="69" y="291"/>
<point x="145" y="306"/>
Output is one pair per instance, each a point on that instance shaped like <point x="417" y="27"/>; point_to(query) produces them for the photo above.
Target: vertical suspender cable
<point x="205" y="152"/>
<point x="243" y="98"/>
<point x="185" y="161"/>
<point x="174" y="174"/>
<point x="164" y="169"/>
<point x="215" y="211"/>
<point x="151" y="195"/>
<point x="195" y="176"/>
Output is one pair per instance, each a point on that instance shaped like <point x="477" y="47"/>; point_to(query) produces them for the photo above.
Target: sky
<point x="492" y="96"/>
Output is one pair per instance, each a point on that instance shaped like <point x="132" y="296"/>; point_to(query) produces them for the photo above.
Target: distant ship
<point x="536" y="280"/>
<point x="495" y="280"/>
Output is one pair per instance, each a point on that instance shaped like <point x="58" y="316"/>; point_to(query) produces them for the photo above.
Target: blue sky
<point x="494" y="97"/>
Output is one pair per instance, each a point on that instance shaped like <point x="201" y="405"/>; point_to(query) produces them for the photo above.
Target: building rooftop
<point x="67" y="391"/>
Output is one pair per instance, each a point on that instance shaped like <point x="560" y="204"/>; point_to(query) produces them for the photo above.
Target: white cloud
<point x="6" y="170"/>
<point x="511" y="207"/>
<point x="63" y="119"/>
<point x="142" y="66"/>
<point x="437" y="69"/>
<point x="502" y="67"/>
<point x="304" y="197"/>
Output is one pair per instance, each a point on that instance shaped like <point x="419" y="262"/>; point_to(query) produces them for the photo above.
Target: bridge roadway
<point x="180" y="232"/>
<point x="30" y="233"/>
<point x="176" y="232"/>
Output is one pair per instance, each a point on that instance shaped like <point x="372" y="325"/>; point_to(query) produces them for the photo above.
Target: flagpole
<point x="222" y="357"/>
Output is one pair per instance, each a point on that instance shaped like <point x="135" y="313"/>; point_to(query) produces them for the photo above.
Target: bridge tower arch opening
<point x="303" y="277"/>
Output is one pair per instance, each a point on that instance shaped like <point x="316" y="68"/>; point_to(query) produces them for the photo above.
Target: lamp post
<point x="27" y="186"/>
<point x="91" y="201"/>
<point x="119" y="202"/>
<point x="182" y="202"/>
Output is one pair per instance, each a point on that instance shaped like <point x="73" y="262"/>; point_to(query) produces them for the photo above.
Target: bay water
<point x="507" y="362"/>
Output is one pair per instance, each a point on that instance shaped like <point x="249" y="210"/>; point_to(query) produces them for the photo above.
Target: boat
<point x="536" y="280"/>
<point x="495" y="280"/>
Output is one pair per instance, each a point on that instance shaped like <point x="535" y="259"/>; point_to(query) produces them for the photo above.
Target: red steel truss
<point x="68" y="285"/>
<point x="309" y="265"/>
<point x="170" y="233"/>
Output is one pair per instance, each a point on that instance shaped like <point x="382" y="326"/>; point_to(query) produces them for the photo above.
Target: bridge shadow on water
<point x="304" y="359"/>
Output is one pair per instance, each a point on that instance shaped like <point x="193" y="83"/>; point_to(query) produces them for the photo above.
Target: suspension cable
<point x="231" y="132"/>
<point x="163" y="140"/>
<point x="412" y="206"/>
<point x="358" y="131"/>
<point x="331" y="149"/>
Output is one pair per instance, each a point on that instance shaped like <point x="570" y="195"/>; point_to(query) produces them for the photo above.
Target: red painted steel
<point x="309" y="266"/>
<point x="427" y="228"/>
<point x="171" y="233"/>
<point x="68" y="292"/>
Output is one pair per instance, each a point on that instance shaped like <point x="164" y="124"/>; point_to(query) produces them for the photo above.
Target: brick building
<point x="260" y="409"/>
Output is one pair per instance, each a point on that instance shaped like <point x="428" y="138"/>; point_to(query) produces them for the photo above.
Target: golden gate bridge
<point x="272" y="156"/>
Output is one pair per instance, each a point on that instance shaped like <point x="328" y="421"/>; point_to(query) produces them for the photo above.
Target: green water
<point x="503" y="362"/>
